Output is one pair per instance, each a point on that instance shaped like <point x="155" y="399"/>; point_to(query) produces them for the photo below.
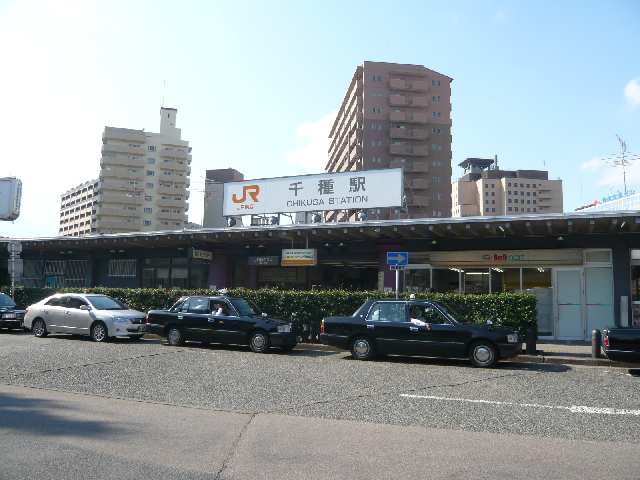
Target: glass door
<point x="569" y="304"/>
<point x="599" y="298"/>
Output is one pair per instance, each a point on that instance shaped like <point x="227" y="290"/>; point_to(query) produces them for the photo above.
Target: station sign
<point x="319" y="192"/>
<point x="299" y="257"/>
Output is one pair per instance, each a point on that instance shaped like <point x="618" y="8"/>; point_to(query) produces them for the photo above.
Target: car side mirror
<point x="85" y="307"/>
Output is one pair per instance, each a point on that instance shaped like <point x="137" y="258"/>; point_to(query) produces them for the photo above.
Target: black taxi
<point x="220" y="319"/>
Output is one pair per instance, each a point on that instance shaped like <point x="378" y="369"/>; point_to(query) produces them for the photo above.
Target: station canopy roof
<point x="521" y="226"/>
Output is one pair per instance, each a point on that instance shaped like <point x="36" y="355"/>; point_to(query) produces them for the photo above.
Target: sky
<point x="541" y="84"/>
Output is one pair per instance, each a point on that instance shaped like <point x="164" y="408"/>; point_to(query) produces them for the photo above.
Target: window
<point x="147" y="222"/>
<point x="387" y="312"/>
<point x="534" y="194"/>
<point x="55" y="302"/>
<point x="493" y="194"/>
<point x="151" y="161"/>
<point x="376" y="109"/>
<point x="152" y="148"/>
<point x="493" y="202"/>
<point x="435" y="114"/>
<point x="528" y="194"/>
<point x="75" y="303"/>
<point x="534" y="201"/>
<point x="148" y="198"/>
<point x="435" y="180"/>
<point x="509" y="200"/>
<point x="149" y="185"/>
<point x="515" y="209"/>
<point x="509" y="208"/>
<point x="123" y="267"/>
<point x="527" y="185"/>
<point x="435" y="83"/>
<point x="197" y="305"/>
<point x="150" y="173"/>
<point x="148" y="210"/>
<point x="486" y="209"/>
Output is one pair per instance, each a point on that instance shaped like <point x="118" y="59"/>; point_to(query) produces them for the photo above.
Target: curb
<point x="590" y="362"/>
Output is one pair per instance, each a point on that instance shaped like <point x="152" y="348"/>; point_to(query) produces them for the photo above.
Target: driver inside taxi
<point x="220" y="309"/>
<point x="417" y="315"/>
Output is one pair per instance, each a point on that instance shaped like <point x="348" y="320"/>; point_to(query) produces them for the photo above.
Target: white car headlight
<point x="121" y="320"/>
<point x="512" y="338"/>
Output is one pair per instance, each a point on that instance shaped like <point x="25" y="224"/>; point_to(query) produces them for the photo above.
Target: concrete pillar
<point x="219" y="272"/>
<point x="621" y="278"/>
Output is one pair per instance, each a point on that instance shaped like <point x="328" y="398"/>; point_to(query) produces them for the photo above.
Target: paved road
<point x="144" y="410"/>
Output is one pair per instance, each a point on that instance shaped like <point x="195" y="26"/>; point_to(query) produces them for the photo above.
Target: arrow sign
<point x="397" y="258"/>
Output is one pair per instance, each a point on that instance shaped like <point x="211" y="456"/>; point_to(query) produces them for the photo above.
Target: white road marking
<point x="572" y="408"/>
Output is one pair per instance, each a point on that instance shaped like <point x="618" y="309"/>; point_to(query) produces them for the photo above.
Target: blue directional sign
<point x="397" y="258"/>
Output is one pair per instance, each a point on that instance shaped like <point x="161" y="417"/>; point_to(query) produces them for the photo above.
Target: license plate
<point x="9" y="315"/>
<point x="284" y="329"/>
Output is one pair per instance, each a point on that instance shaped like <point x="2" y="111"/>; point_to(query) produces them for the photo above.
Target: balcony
<point x="114" y="211"/>
<point x="122" y="160"/>
<point x="409" y="85"/>
<point x="107" y="197"/>
<point x="417" y="183"/>
<point x="117" y="225"/>
<point x="124" y="135"/>
<point x="174" y="153"/>
<point x="172" y="216"/>
<point x="415" y="133"/>
<point x="418" y="200"/>
<point x="397" y="100"/>
<point x="121" y="172"/>
<point x="409" y="117"/>
<point x="171" y="203"/>
<point x="408" y="149"/>
<point x="123" y="148"/>
<point x="124" y="185"/>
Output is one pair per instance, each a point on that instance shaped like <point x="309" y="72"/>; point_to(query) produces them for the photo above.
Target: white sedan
<point x="98" y="316"/>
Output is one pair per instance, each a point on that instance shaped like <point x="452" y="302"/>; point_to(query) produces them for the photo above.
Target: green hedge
<point x="307" y="308"/>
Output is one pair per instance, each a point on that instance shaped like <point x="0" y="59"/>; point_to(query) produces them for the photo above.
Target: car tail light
<point x="322" y="327"/>
<point x="605" y="340"/>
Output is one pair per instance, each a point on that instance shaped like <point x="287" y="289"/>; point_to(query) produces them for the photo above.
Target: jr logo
<point x="252" y="190"/>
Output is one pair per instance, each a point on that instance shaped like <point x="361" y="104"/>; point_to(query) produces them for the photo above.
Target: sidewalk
<point x="573" y="354"/>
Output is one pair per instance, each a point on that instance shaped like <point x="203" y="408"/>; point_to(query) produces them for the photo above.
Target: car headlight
<point x="121" y="320"/>
<point x="512" y="338"/>
<point x="284" y="328"/>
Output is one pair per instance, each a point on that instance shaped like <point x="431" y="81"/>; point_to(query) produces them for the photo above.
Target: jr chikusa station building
<point x="583" y="268"/>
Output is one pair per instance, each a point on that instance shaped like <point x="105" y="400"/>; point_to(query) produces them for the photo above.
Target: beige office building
<point x="487" y="191"/>
<point x="144" y="178"/>
<point x="78" y="210"/>
<point x="396" y="115"/>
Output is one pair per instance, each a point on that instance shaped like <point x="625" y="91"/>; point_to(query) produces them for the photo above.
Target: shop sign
<point x="201" y="254"/>
<point x="542" y="257"/>
<point x="299" y="257"/>
<point x="265" y="261"/>
<point x="311" y="193"/>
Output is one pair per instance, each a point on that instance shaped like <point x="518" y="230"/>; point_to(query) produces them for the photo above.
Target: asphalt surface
<point x="137" y="408"/>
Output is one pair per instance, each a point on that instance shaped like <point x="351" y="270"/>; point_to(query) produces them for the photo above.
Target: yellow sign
<point x="299" y="257"/>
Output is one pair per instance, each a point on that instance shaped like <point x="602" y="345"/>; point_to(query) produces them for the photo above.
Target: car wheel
<point x="483" y="354"/>
<point x="259" y="342"/>
<point x="362" y="349"/>
<point x="174" y="337"/>
<point x="135" y="338"/>
<point x="39" y="329"/>
<point x="99" y="332"/>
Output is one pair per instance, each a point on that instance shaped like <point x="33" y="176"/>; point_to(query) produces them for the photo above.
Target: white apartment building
<point x="78" y="210"/>
<point x="486" y="191"/>
<point x="144" y="178"/>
